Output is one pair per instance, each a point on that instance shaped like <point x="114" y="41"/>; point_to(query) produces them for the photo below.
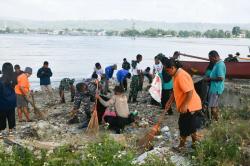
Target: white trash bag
<point x="155" y="89"/>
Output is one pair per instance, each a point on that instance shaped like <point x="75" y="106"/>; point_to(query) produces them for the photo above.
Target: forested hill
<point x="117" y="25"/>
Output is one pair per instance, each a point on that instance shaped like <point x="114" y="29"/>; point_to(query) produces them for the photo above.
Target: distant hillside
<point x="117" y="25"/>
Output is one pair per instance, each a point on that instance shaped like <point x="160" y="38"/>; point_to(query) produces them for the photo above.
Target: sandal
<point x="11" y="134"/>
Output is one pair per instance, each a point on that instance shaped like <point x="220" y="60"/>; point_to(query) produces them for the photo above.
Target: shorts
<point x="189" y="123"/>
<point x="213" y="100"/>
<point x="21" y="101"/>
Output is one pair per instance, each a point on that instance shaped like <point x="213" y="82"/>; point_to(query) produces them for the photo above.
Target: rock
<point x="28" y="132"/>
<point x="163" y="152"/>
<point x="166" y="133"/>
<point x="179" y="160"/>
<point x="165" y="129"/>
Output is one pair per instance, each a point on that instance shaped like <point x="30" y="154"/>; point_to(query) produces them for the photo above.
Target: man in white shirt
<point x="136" y="77"/>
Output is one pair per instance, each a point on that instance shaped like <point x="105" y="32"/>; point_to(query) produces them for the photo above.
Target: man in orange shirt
<point x="22" y="90"/>
<point x="188" y="102"/>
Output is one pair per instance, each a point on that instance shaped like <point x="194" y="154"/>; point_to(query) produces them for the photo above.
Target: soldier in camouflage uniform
<point x="85" y="92"/>
<point x="135" y="83"/>
<point x="67" y="84"/>
<point x="82" y="96"/>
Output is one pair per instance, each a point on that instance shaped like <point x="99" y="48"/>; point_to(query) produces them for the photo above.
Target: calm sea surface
<point x="75" y="56"/>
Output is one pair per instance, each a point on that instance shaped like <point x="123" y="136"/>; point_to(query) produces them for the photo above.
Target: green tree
<point x="184" y="34"/>
<point x="130" y="32"/>
<point x="236" y="31"/>
<point x="247" y="34"/>
<point x="221" y="34"/>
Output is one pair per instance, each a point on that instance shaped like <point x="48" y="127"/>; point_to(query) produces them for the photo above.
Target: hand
<point x="73" y="112"/>
<point x="183" y="108"/>
<point x="97" y="96"/>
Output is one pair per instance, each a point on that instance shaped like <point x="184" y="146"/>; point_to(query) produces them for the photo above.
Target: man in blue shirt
<point x="216" y="79"/>
<point x="44" y="73"/>
<point x="109" y="71"/>
<point x="121" y="77"/>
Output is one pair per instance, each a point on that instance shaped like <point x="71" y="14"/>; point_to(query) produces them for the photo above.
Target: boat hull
<point x="238" y="70"/>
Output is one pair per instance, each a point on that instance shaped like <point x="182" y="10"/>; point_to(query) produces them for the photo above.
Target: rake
<point x="146" y="141"/>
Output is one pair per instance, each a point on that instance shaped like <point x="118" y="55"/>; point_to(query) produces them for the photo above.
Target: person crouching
<point x="120" y="103"/>
<point x="188" y="102"/>
<point x="82" y="96"/>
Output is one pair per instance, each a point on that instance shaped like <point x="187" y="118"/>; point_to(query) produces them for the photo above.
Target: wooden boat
<point x="239" y="70"/>
<point x="240" y="59"/>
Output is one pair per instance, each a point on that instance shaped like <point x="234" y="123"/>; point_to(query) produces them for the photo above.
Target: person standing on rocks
<point x="167" y="88"/>
<point x="98" y="70"/>
<point x="188" y="103"/>
<point x="66" y="84"/>
<point x="126" y="64"/>
<point x="18" y="70"/>
<point x="22" y="90"/>
<point x="137" y="75"/>
<point x="44" y="73"/>
<point x="7" y="99"/>
<point x="216" y="80"/>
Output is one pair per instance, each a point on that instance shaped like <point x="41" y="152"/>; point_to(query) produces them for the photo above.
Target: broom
<point x="145" y="142"/>
<point x="37" y="112"/>
<point x="93" y="126"/>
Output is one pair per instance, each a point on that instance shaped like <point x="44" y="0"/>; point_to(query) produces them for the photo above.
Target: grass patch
<point x="105" y="152"/>
<point x="225" y="141"/>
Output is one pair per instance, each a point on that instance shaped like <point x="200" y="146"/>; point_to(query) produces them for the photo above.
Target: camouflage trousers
<point x="134" y="87"/>
<point x="86" y="103"/>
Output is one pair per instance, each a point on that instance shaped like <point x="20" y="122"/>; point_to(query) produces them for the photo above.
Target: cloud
<point x="216" y="11"/>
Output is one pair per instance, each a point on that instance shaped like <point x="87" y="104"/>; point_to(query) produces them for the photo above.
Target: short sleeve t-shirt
<point x="135" y="70"/>
<point x="219" y="70"/>
<point x="22" y="81"/>
<point x="158" y="68"/>
<point x="121" y="75"/>
<point x="183" y="83"/>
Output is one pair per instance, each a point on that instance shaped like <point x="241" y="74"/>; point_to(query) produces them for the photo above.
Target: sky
<point x="207" y="11"/>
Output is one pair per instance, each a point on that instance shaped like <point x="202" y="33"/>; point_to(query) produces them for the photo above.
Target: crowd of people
<point x="15" y="93"/>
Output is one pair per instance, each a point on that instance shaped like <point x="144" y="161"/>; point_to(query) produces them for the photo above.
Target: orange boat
<point x="239" y="70"/>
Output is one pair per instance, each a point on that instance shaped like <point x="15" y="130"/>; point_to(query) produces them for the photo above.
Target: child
<point x="188" y="103"/>
<point x="120" y="103"/>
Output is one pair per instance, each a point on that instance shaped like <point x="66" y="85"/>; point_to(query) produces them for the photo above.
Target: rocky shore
<point x="55" y="131"/>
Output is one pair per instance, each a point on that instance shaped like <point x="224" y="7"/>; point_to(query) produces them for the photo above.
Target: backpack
<point x="7" y="96"/>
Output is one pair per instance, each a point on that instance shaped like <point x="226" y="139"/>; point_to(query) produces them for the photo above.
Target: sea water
<point x="75" y="56"/>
